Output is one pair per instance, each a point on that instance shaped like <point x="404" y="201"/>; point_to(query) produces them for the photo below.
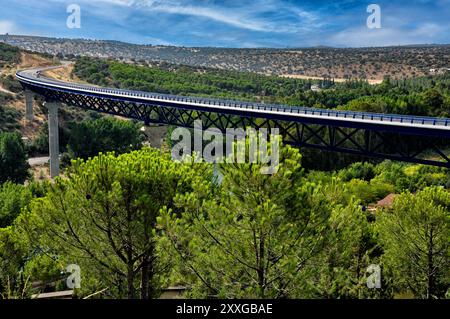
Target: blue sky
<point x="234" y="23"/>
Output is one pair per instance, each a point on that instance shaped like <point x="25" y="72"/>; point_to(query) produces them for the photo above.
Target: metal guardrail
<point x="407" y="119"/>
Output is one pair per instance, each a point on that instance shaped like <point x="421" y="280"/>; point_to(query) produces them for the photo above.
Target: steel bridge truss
<point x="363" y="141"/>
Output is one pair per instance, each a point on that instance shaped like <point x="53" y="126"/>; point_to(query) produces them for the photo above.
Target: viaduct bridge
<point x="386" y="136"/>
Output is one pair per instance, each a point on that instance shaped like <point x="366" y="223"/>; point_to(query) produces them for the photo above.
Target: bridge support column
<point x="53" y="137"/>
<point x="29" y="97"/>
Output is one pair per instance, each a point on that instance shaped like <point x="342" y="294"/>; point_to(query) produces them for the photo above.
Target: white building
<point x="315" y="88"/>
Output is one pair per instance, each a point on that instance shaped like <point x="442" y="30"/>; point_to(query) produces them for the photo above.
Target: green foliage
<point x="13" y="198"/>
<point x="9" y="54"/>
<point x="46" y="269"/>
<point x="13" y="158"/>
<point x="5" y="98"/>
<point x="340" y="269"/>
<point x="411" y="177"/>
<point x="368" y="192"/>
<point x="139" y="222"/>
<point x="88" y="138"/>
<point x="95" y="72"/>
<point x="10" y="83"/>
<point x="9" y="117"/>
<point x="252" y="238"/>
<point x="102" y="217"/>
<point x="364" y="171"/>
<point x="185" y="80"/>
<point x="12" y="283"/>
<point x="21" y="265"/>
<point x="415" y="238"/>
<point x="39" y="145"/>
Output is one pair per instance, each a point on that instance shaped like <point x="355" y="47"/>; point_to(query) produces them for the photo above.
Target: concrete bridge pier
<point x="53" y="137"/>
<point x="29" y="97"/>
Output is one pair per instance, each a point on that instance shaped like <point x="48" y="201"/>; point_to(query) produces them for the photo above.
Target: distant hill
<point x="341" y="63"/>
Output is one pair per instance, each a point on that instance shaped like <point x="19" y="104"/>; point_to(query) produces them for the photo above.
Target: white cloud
<point x="364" y="37"/>
<point x="244" y="16"/>
<point x="127" y="3"/>
<point x="254" y="15"/>
<point x="212" y="14"/>
<point x="121" y="3"/>
<point x="6" y="27"/>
